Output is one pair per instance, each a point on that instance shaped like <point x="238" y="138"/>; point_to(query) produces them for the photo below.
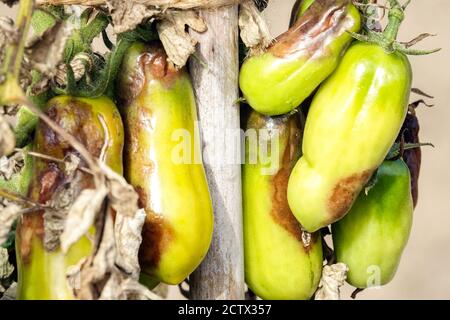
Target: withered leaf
<point x="122" y="196"/>
<point x="11" y="165"/>
<point x="55" y="216"/>
<point x="179" y="45"/>
<point x="82" y="215"/>
<point x="128" y="234"/>
<point x="7" y="138"/>
<point x="47" y="51"/>
<point x="71" y="164"/>
<point x="254" y="30"/>
<point x="119" y="287"/>
<point x="9" y="212"/>
<point x="127" y="15"/>
<point x="333" y="277"/>
<point x="6" y="270"/>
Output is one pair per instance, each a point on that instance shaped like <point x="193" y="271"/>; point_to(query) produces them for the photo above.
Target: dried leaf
<point x="127" y="15"/>
<point x="120" y="288"/>
<point x="128" y="234"/>
<point x="254" y="30"/>
<point x="71" y="164"/>
<point x="6" y="270"/>
<point x="11" y="292"/>
<point x="7" y="138"/>
<point x="333" y="277"/>
<point x="12" y="165"/>
<point x="122" y="196"/>
<point x="47" y="52"/>
<point x="79" y="64"/>
<point x="9" y="212"/>
<point x="55" y="216"/>
<point x="179" y="45"/>
<point x="81" y="216"/>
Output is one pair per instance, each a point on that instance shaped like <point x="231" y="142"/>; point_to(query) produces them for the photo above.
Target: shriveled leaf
<point x="333" y="277"/>
<point x="71" y="164"/>
<point x="81" y="216"/>
<point x="254" y="30"/>
<point x="73" y="276"/>
<point x="11" y="292"/>
<point x="47" y="52"/>
<point x="122" y="196"/>
<point x="119" y="287"/>
<point x="178" y="44"/>
<point x="6" y="270"/>
<point x="9" y="212"/>
<point x="79" y="64"/>
<point x="7" y="138"/>
<point x="11" y="165"/>
<point x="161" y="290"/>
<point x="55" y="216"/>
<point x="95" y="271"/>
<point x="127" y="15"/>
<point x="128" y="234"/>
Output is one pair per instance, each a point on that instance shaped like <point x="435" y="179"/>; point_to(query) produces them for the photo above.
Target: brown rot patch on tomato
<point x="77" y="119"/>
<point x="345" y="193"/>
<point x="156" y="235"/>
<point x="157" y="65"/>
<point x="48" y="182"/>
<point x="325" y="20"/>
<point x="31" y="225"/>
<point x="281" y="213"/>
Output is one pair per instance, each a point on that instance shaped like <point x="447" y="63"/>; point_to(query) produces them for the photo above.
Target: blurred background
<point x="424" y="272"/>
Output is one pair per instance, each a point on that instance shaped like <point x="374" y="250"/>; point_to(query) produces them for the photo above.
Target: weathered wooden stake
<point x="215" y="72"/>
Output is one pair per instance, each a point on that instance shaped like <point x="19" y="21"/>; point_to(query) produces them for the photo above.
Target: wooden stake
<point x="215" y="72"/>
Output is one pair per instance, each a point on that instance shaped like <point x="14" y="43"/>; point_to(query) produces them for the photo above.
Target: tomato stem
<point x="396" y="16"/>
<point x="9" y="80"/>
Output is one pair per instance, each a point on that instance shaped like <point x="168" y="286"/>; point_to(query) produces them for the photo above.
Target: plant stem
<point x="396" y="17"/>
<point x="15" y="50"/>
<point x="9" y="80"/>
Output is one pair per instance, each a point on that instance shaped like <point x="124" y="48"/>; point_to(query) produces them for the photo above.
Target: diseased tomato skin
<point x="371" y="238"/>
<point x="158" y="107"/>
<point x="278" y="262"/>
<point x="352" y="123"/>
<point x="42" y="273"/>
<point x="279" y="80"/>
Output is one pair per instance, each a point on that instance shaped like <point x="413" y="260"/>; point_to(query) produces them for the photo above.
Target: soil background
<point x="424" y="272"/>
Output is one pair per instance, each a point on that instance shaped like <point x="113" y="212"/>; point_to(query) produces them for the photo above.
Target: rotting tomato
<point x="96" y="123"/>
<point x="279" y="80"/>
<point x="352" y="123"/>
<point x="281" y="260"/>
<point x="158" y="106"/>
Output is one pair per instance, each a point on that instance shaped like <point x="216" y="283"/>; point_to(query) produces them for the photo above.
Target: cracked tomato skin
<point x="352" y="123"/>
<point x="158" y="105"/>
<point x="371" y="238"/>
<point x="97" y="124"/>
<point x="279" y="264"/>
<point x="279" y="80"/>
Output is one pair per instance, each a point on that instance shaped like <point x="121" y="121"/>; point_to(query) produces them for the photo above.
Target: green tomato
<point x="279" y="80"/>
<point x="96" y="123"/>
<point x="353" y="121"/>
<point x="158" y="106"/>
<point x="371" y="238"/>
